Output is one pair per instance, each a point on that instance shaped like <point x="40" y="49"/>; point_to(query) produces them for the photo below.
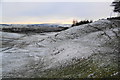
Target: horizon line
<point x="35" y="23"/>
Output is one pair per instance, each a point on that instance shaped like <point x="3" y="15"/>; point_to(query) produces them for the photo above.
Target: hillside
<point x="84" y="51"/>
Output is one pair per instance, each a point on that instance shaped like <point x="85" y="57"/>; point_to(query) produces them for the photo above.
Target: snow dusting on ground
<point x="22" y="53"/>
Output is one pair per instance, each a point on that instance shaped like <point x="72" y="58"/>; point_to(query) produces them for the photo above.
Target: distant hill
<point x="35" y="25"/>
<point x="33" y="28"/>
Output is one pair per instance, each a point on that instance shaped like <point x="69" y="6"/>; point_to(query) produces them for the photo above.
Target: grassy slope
<point x="99" y="65"/>
<point x="96" y="66"/>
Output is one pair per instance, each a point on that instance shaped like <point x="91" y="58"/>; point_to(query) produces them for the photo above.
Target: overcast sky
<point x="53" y="12"/>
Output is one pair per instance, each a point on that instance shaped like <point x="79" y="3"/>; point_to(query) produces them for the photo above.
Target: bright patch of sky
<point x="57" y="0"/>
<point x="36" y="11"/>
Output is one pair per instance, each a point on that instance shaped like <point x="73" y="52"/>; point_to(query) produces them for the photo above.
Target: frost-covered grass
<point x="96" y="66"/>
<point x="89" y="50"/>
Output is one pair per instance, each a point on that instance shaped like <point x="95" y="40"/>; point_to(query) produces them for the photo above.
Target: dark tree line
<point x="81" y="22"/>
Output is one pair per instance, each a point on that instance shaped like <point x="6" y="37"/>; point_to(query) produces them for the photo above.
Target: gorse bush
<point x="81" y="22"/>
